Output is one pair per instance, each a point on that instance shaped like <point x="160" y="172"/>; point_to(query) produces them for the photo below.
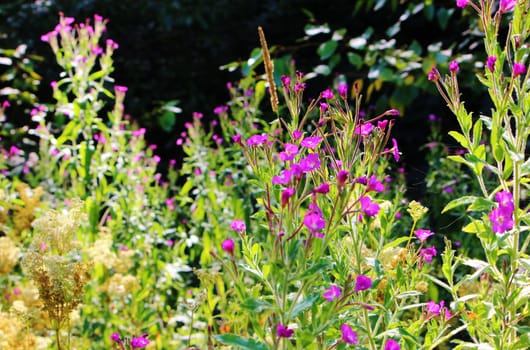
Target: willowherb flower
<point x="257" y="140"/>
<point x="507" y="5"/>
<point x="501" y="220"/>
<point x="284" y="332"/>
<point x="322" y="189"/>
<point x="434" y="309"/>
<point x="290" y="151"/>
<point x="391" y="344"/>
<point x="116" y="337"/>
<point x="323" y="106"/>
<point x="395" y="150"/>
<point x="505" y="200"/>
<point x="286" y="81"/>
<point x="283" y="178"/>
<point x="220" y="110"/>
<point x="364" y="129"/>
<point x="332" y="293"/>
<point x="518" y="69"/>
<point x="348" y="335"/>
<point x="228" y="246"/>
<point x="362" y="282"/>
<point x="343" y="90"/>
<point x="374" y="185"/>
<point x="453" y="67"/>
<point x="369" y="207"/>
<point x="423" y="234"/>
<point x="296" y="134"/>
<point x="238" y="225"/>
<point x="433" y="75"/>
<point x="314" y="221"/>
<point x="310" y="162"/>
<point x="139" y="342"/>
<point x="311" y="142"/>
<point x="461" y="3"/>
<point x="286" y="195"/>
<point x="327" y="94"/>
<point x="342" y="177"/>
<point x="381" y="124"/>
<point x="428" y="253"/>
<point x="490" y="63"/>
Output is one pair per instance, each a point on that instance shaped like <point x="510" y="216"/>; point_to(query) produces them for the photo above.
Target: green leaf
<point x="320" y="266"/>
<point x="475" y="226"/>
<point x="327" y="49"/>
<point x="305" y="304"/>
<point x="459" y="202"/>
<point x="243" y="343"/>
<point x="355" y="59"/>
<point x="256" y="305"/>
<point x="460" y="139"/>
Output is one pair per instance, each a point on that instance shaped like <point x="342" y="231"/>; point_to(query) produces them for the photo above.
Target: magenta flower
<point x="322" y="189"/>
<point x="434" y="309"/>
<point x="283" y="178"/>
<point x="518" y="69"/>
<point x="507" y="5"/>
<point x="343" y="90"/>
<point x="453" y="67"/>
<point x="310" y="162"/>
<point x="311" y="142"/>
<point x="286" y="195"/>
<point x="461" y="3"/>
<point x="220" y="110"/>
<point x="505" y="200"/>
<point x="395" y="150"/>
<point x="286" y="81"/>
<point x="256" y="140"/>
<point x="283" y="332"/>
<point x="238" y="225"/>
<point x="139" y="342"/>
<point x="290" y="151"/>
<point x="299" y="87"/>
<point x="314" y="221"/>
<point x="348" y="335"/>
<point x="364" y="129"/>
<point x="332" y="293"/>
<point x="490" y="63"/>
<point x="434" y="75"/>
<point x="296" y="134"/>
<point x="501" y="220"/>
<point x="381" y="124"/>
<point x="391" y="344"/>
<point x="392" y="112"/>
<point x="368" y="207"/>
<point x="428" y="253"/>
<point x="362" y="283"/>
<point x="423" y="234"/>
<point x="115" y="337"/>
<point x="342" y="177"/>
<point x="327" y="94"/>
<point x="323" y="106"/>
<point x="228" y="246"/>
<point x="374" y="185"/>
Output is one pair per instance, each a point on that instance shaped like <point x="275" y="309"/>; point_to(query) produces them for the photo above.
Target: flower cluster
<point x="501" y="217"/>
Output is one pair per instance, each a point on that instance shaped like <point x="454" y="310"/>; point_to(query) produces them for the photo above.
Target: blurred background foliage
<point x="171" y="52"/>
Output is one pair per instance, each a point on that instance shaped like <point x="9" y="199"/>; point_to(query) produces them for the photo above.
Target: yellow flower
<point x="416" y="210"/>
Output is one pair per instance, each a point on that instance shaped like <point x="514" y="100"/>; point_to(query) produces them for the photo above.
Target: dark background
<point x="172" y="50"/>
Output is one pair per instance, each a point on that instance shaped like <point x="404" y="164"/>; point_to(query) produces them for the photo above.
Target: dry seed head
<point x="269" y="70"/>
<point x="9" y="255"/>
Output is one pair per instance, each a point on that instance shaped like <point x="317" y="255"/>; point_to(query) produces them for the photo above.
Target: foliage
<point x="280" y="230"/>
